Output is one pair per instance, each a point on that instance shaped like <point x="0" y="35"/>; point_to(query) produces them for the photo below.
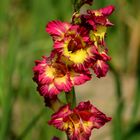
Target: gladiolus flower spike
<point x="78" y="47"/>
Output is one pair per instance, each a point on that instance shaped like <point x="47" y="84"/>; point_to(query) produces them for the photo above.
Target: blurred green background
<point x="23" y="39"/>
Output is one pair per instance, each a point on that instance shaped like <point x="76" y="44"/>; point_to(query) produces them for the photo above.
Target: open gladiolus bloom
<point x="78" y="47"/>
<point x="54" y="76"/>
<point x="79" y="122"/>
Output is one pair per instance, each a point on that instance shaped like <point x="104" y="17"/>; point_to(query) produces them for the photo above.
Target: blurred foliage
<point x="23" y="39"/>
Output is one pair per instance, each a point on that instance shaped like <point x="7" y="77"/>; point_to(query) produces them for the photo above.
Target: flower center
<point x="74" y="118"/>
<point x="75" y="44"/>
<point x="60" y="69"/>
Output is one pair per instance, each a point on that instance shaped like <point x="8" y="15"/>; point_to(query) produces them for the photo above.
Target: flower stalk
<point x="71" y="98"/>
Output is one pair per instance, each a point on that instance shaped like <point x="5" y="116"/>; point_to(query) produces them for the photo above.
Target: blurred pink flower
<point x="55" y="138"/>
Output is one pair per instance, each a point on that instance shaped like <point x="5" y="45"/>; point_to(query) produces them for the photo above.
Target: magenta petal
<point x="100" y="68"/>
<point x="63" y="84"/>
<point x="105" y="57"/>
<point x="57" y="29"/>
<point x="47" y="90"/>
<point x="43" y="79"/>
<point x="59" y="45"/>
<point x="96" y="116"/>
<point x="84" y="106"/>
<point x="106" y="11"/>
<point x="57" y="119"/>
<point x="81" y="78"/>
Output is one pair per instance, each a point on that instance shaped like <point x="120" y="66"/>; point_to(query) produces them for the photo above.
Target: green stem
<point x="31" y="125"/>
<point x="117" y="120"/>
<point x="71" y="98"/>
<point x="136" y="105"/>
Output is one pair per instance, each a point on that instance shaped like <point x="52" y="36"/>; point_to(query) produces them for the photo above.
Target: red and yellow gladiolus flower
<point x="97" y="17"/>
<point x="73" y="45"/>
<point x="96" y="21"/>
<point x="99" y="61"/>
<point x="53" y="76"/>
<point x="79" y="122"/>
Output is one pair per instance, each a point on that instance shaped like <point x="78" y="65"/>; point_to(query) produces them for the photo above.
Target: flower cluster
<point x="77" y="47"/>
<point x="53" y="75"/>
